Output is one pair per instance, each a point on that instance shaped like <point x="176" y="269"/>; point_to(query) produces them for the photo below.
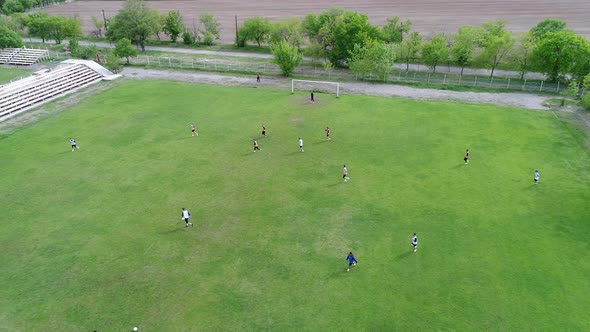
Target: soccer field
<point x="93" y="239"/>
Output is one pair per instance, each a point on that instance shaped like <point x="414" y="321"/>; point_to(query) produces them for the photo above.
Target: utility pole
<point x="237" y="36"/>
<point x="105" y="21"/>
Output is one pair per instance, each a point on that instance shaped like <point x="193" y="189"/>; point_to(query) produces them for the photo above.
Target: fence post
<point x="491" y="80"/>
<point x="428" y="81"/>
<point x="508" y="85"/>
<point x="541" y="87"/>
<point x="445" y="79"/>
<point x="557" y="86"/>
<point x="524" y="85"/>
<point x="460" y="77"/>
<point x="169" y="62"/>
<point x="475" y="81"/>
<point x="414" y="77"/>
<point x="192" y="63"/>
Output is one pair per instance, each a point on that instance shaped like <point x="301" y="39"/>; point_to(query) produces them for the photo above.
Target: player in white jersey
<point x="73" y="143"/>
<point x="537" y="177"/>
<point x="185" y="216"/>
<point x="194" y="130"/>
<point x="345" y="173"/>
<point x="415" y="242"/>
<point x="300" y="144"/>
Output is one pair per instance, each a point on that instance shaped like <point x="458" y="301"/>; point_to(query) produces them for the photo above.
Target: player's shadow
<point x="174" y="230"/>
<point x="458" y="166"/>
<point x="292" y="153"/>
<point x="339" y="273"/>
<point x="403" y="255"/>
<point x="64" y="152"/>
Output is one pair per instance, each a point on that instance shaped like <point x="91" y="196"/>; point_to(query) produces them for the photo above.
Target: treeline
<point x="344" y="39"/>
<point x="9" y="7"/>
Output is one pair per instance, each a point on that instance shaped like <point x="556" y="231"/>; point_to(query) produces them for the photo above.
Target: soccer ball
<point x="135" y="329"/>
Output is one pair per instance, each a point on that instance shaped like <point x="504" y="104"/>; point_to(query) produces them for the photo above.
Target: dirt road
<point x="522" y="100"/>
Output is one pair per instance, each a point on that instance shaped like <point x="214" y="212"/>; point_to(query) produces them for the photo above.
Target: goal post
<point x="319" y="86"/>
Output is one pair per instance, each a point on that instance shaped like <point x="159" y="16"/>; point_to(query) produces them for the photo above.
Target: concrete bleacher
<point x="22" y="56"/>
<point x="46" y="85"/>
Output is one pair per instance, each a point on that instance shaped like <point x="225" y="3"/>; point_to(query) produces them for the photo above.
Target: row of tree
<point x="137" y="22"/>
<point x="346" y="38"/>
<point x="9" y="7"/>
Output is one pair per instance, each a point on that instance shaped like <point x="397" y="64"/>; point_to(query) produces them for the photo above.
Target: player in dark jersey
<point x="351" y="261"/>
<point x="466" y="159"/>
<point x="327" y="133"/>
<point x="263" y="131"/>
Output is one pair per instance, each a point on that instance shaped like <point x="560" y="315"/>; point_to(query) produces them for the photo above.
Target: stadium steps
<point x="46" y="85"/>
<point x="22" y="56"/>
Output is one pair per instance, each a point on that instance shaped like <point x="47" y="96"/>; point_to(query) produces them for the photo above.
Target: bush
<point x="187" y="38"/>
<point x="208" y="38"/>
<point x="74" y="47"/>
<point x="586" y="101"/>
<point x="112" y="62"/>
<point x="87" y="52"/>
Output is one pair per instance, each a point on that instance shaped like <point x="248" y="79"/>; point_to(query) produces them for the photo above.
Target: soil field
<point x="427" y="16"/>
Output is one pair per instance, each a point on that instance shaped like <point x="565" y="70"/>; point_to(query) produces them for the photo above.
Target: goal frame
<point x="320" y="82"/>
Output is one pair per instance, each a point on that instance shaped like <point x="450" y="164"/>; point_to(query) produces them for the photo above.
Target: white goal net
<point x="315" y="86"/>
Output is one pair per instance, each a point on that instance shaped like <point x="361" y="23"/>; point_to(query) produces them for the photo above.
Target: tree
<point x="9" y="38"/>
<point x="337" y="31"/>
<point x="256" y="29"/>
<point x="464" y="45"/>
<point x="12" y="6"/>
<point x="560" y="53"/>
<point x="350" y="28"/>
<point x="173" y="26"/>
<point x="135" y="21"/>
<point x="210" y="28"/>
<point x="63" y="27"/>
<point x="410" y="47"/>
<point x="124" y="49"/>
<point x="523" y="51"/>
<point x="37" y="26"/>
<point x="374" y="56"/>
<point x="435" y="52"/>
<point x="288" y="30"/>
<point x="57" y="27"/>
<point x="496" y="44"/>
<point x="393" y="31"/>
<point x="287" y="56"/>
<point x="547" y="25"/>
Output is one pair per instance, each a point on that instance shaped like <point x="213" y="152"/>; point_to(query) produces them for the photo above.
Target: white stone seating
<point x="44" y="86"/>
<point x="22" y="56"/>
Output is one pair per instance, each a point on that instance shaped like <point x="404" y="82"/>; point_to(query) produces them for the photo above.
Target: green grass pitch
<point x="8" y="74"/>
<point x="93" y="239"/>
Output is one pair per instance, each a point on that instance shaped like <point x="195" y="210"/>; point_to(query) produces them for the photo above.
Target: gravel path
<point x="522" y="100"/>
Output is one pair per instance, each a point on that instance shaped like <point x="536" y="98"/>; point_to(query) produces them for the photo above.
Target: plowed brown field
<point x="427" y="15"/>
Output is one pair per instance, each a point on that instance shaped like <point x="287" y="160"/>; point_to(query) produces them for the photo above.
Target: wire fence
<point x="315" y="72"/>
<point x="414" y="77"/>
